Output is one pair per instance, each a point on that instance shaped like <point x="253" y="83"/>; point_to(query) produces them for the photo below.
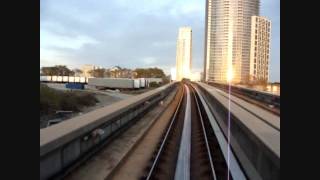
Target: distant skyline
<point x="131" y="33"/>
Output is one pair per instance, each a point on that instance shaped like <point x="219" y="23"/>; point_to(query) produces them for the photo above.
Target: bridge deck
<point x="271" y="118"/>
<point x="62" y="133"/>
<point x="263" y="124"/>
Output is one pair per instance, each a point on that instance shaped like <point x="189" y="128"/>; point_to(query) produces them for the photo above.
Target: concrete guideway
<point x="267" y="101"/>
<point x="271" y="118"/>
<point x="106" y="163"/>
<point x="70" y="142"/>
<point x="255" y="140"/>
<point x="193" y="162"/>
<point x="166" y="155"/>
<point x="235" y="168"/>
<point x="183" y="163"/>
<point x="189" y="150"/>
<point x="200" y="124"/>
<point x="262" y="114"/>
<point x="143" y="151"/>
<point x="269" y="135"/>
<point x="87" y="121"/>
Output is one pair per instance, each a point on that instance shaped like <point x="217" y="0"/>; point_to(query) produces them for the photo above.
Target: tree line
<point x="62" y="70"/>
<point x="150" y="73"/>
<point x="59" y="70"/>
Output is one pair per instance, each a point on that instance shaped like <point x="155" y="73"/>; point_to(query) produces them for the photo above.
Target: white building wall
<point x="86" y="69"/>
<point x="184" y="54"/>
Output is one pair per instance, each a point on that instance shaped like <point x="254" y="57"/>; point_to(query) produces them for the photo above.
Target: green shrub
<point x="52" y="100"/>
<point x="87" y="100"/>
<point x="154" y="84"/>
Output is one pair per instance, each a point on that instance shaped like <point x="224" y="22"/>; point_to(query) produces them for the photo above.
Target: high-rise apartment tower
<point x="260" y="49"/>
<point x="227" y="39"/>
<point x="184" y="55"/>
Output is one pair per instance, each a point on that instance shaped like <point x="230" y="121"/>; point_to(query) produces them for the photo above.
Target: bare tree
<point x="59" y="70"/>
<point x="77" y="71"/>
<point x="97" y="72"/>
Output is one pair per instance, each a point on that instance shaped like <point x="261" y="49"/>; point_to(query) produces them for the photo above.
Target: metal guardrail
<point x="65" y="143"/>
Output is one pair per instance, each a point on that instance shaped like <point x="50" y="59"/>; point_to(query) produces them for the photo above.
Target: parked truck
<point x="136" y="83"/>
<point x="114" y="83"/>
<point x="75" y="86"/>
<point x="64" y="79"/>
<point x="142" y="82"/>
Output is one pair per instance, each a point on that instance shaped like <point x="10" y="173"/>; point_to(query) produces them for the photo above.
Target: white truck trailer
<point x="142" y="82"/>
<point x="115" y="83"/>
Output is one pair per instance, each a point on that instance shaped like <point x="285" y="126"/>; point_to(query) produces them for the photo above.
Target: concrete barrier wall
<point x="65" y="143"/>
<point x="266" y="97"/>
<point x="256" y="159"/>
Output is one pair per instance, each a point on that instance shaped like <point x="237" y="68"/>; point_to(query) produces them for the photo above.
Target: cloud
<point x="52" y="40"/>
<point x="125" y="36"/>
<point x="128" y="33"/>
<point x="149" y="60"/>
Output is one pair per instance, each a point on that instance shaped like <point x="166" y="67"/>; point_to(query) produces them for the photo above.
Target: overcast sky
<point x="131" y="33"/>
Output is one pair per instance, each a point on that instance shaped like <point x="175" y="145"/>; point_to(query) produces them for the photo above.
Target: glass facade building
<point x="260" y="49"/>
<point x="227" y="39"/>
<point x="184" y="55"/>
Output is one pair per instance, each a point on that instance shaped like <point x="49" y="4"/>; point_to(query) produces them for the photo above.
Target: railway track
<point x="252" y="130"/>
<point x="189" y="148"/>
<point x="164" y="161"/>
<point x="204" y="135"/>
<point x="261" y="104"/>
<point x="253" y="113"/>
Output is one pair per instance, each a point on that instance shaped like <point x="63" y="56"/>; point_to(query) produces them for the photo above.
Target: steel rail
<point x="166" y="136"/>
<point x="205" y="135"/>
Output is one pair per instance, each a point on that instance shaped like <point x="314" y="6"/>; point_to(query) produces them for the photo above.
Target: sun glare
<point x="230" y="75"/>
